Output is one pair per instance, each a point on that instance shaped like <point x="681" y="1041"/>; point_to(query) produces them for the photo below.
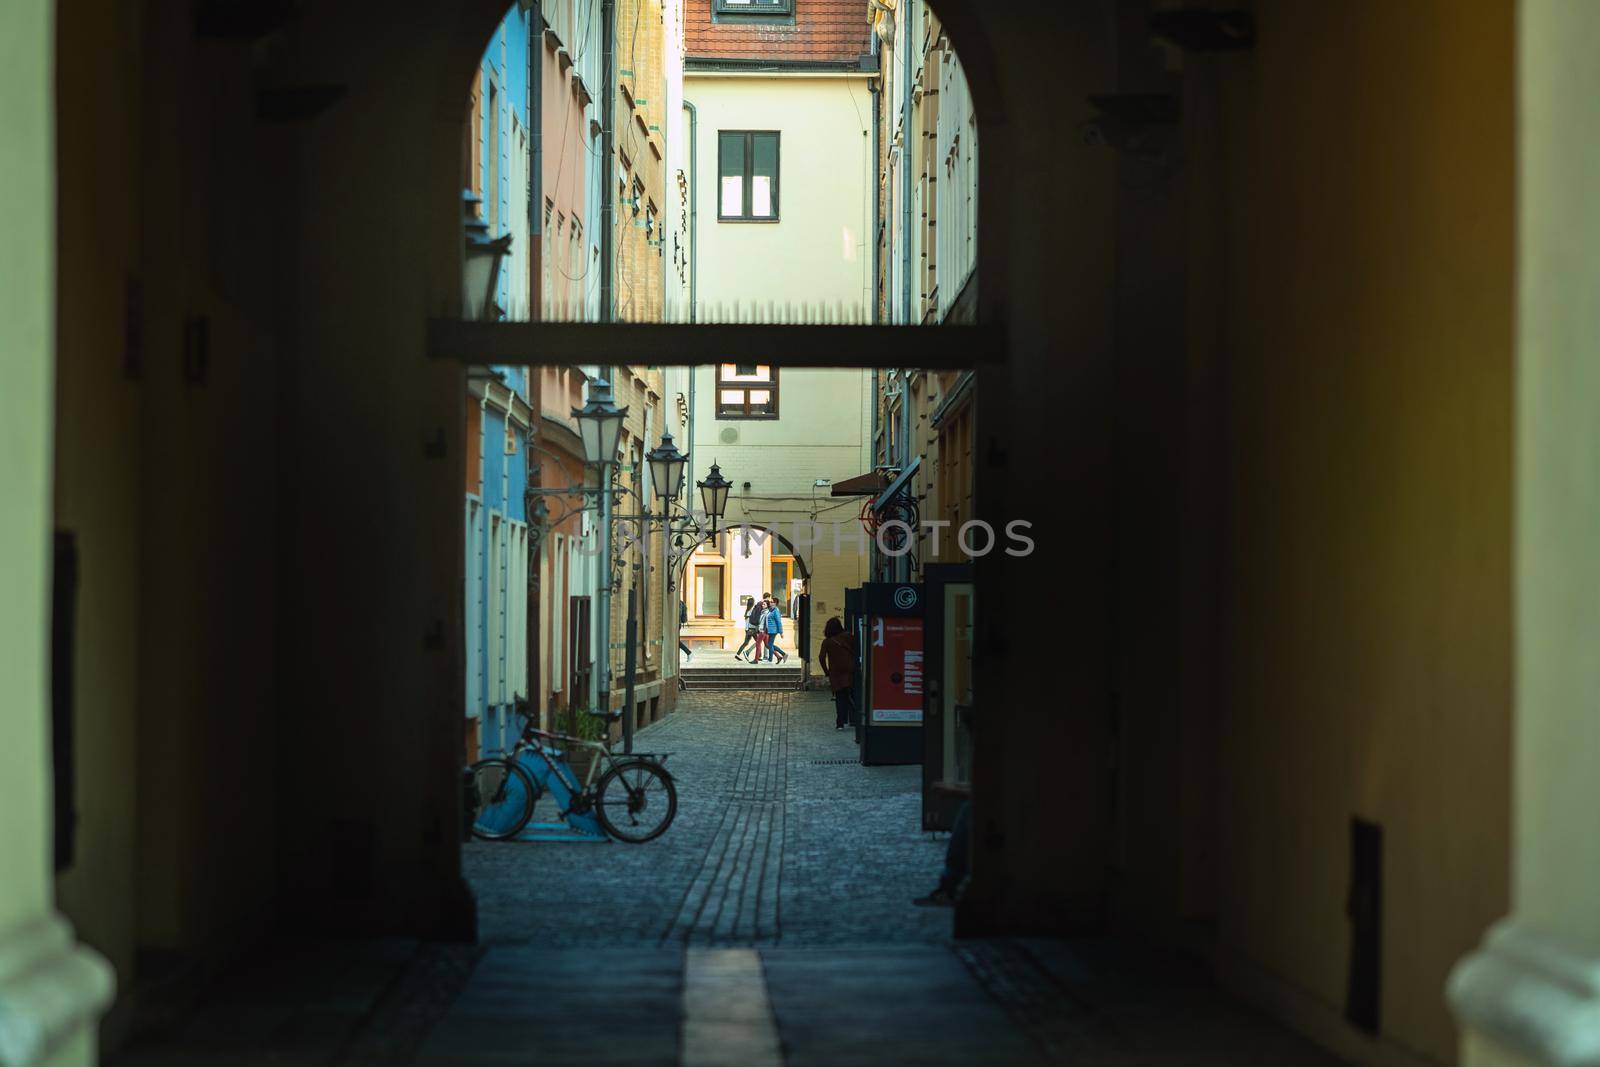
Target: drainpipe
<point x="608" y="199"/>
<point x="694" y="233"/>
<point x="694" y="290"/>
<point x="603" y="593"/>
<point x="902" y="565"/>
<point x="875" y="87"/>
<point x="906" y="45"/>
<point x="608" y="222"/>
<point x="534" y="673"/>
<point x="536" y="177"/>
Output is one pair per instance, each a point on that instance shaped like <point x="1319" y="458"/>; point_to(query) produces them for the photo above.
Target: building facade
<point x="639" y="123"/>
<point x="499" y="415"/>
<point x="780" y="217"/>
<point x="537" y="595"/>
<point x="927" y="170"/>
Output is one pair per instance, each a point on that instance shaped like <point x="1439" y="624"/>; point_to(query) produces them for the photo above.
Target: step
<point x="735" y="672"/>
<point x="768" y="684"/>
<point x="737" y="676"/>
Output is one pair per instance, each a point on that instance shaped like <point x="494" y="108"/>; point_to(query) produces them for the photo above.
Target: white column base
<point x="52" y="991"/>
<point x="1533" y="999"/>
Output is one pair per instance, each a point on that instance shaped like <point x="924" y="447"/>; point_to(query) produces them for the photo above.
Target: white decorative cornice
<point x="1531" y="994"/>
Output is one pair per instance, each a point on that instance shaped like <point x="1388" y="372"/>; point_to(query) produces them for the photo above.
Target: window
<point x="497" y="611"/>
<point x="747" y="392"/>
<point x="782" y="575"/>
<point x="754" y="7"/>
<point x="747" y="175"/>
<point x="708" y="592"/>
<point x="574" y="272"/>
<point x="491" y="188"/>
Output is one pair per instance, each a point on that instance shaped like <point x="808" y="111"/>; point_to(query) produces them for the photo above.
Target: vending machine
<point x="893" y="673"/>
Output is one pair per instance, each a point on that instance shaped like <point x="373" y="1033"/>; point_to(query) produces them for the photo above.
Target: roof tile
<point x="825" y="31"/>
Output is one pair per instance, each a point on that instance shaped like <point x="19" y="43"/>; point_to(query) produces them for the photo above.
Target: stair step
<point x="788" y="679"/>
<point x="740" y="685"/>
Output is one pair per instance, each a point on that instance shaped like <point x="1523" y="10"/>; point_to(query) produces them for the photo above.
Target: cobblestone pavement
<point x="771" y="926"/>
<point x="781" y="838"/>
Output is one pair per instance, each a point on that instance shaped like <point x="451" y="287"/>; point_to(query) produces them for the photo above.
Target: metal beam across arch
<point x="693" y="344"/>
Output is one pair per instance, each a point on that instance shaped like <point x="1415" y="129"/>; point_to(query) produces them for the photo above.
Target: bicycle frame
<point x="552" y="773"/>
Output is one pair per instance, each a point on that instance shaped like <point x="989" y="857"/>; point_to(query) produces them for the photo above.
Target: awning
<point x="869" y="484"/>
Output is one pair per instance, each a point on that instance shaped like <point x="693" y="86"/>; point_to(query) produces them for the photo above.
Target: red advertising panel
<point x="896" y="698"/>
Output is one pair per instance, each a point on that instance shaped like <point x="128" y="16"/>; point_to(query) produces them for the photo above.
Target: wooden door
<point x="580" y="661"/>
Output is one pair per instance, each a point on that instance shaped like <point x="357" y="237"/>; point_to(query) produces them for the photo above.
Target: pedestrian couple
<point x="763" y="625"/>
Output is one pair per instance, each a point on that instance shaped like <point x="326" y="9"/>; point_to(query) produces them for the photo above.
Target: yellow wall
<point x="817" y="251"/>
<point x="1369" y="236"/>
<point x="639" y="136"/>
<point x="823" y="430"/>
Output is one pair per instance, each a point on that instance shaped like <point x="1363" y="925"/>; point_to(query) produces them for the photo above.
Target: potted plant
<point x="575" y="721"/>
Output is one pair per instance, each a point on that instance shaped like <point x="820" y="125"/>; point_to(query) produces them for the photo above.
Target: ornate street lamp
<point x="481" y="274"/>
<point x="538" y="517"/>
<point x="714" y="494"/>
<point x="667" y="466"/>
<point x="600" y="425"/>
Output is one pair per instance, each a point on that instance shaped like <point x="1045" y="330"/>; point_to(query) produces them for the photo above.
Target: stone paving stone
<point x="785" y="850"/>
<point x="888" y="1006"/>
<point x="594" y="1006"/>
<point x="775" y="843"/>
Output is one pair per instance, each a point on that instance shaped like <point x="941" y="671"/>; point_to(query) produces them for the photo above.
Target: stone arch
<point x="476" y="20"/>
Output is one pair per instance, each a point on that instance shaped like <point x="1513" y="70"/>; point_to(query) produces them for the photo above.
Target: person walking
<point x="774" y="631"/>
<point x="683" y="620"/>
<point x="758" y="620"/>
<point x="837" y="657"/>
<point x="749" y="626"/>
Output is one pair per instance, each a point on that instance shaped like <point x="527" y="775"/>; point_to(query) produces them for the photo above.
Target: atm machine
<point x="893" y="677"/>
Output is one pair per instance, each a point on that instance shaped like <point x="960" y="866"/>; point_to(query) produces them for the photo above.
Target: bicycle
<point x="506" y="788"/>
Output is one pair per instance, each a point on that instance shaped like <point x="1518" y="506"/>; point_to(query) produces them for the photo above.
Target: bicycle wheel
<point x="636" y="801"/>
<point x="505" y="796"/>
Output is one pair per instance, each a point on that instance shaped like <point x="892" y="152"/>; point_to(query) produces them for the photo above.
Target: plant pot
<point x="579" y="760"/>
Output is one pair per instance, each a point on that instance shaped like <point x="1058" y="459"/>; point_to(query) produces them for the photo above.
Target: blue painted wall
<point x="505" y="72"/>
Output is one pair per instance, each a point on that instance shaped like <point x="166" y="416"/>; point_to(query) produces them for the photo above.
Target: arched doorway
<point x="725" y="573"/>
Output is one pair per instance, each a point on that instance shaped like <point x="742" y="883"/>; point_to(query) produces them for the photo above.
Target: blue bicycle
<point x="630" y="798"/>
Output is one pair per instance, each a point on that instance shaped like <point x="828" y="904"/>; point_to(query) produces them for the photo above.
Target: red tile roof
<point x="823" y="31"/>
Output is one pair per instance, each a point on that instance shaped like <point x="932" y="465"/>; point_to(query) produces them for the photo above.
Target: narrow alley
<point x="782" y="838"/>
<point x="772" y="924"/>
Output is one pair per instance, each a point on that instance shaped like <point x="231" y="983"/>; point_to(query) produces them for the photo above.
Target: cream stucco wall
<point x="1531" y="995"/>
<point x="27" y="293"/>
<point x="818" y="251"/>
<point x="823" y="431"/>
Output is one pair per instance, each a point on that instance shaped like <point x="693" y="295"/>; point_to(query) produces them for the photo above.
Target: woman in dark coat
<point x="837" y="658"/>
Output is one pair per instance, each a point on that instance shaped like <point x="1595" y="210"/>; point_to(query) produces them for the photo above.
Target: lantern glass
<point x="480" y="274"/>
<point x="714" y="492"/>
<point x="667" y="466"/>
<point x="600" y="424"/>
